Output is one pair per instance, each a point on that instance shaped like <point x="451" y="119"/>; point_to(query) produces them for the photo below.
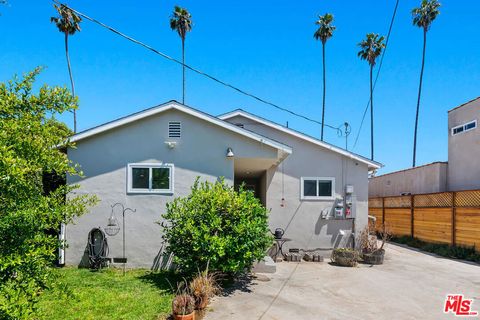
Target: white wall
<point x="429" y="178"/>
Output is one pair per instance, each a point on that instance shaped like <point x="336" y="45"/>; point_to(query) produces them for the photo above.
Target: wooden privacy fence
<point x="444" y="217"/>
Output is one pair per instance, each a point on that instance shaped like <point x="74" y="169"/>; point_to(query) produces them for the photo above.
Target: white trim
<point x="371" y="164"/>
<point x="150" y="166"/>
<point x="317" y="179"/>
<point x="177" y="106"/>
<point x="463" y="126"/>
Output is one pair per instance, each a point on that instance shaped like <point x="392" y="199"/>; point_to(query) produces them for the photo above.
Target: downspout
<point x="61" y="250"/>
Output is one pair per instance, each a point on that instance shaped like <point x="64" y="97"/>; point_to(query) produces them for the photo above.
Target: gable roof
<point x="174" y="105"/>
<point x="239" y="112"/>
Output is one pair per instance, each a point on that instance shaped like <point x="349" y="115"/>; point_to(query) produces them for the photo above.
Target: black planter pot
<point x="375" y="257"/>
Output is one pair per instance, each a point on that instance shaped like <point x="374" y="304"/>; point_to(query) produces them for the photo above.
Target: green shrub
<point x="30" y="210"/>
<point x="444" y="250"/>
<point x="218" y="227"/>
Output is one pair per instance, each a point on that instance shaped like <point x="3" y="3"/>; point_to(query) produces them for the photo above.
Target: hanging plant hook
<point x="123" y="259"/>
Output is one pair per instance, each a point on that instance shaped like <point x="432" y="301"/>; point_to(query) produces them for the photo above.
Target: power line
<point x="198" y="71"/>
<point x="378" y="72"/>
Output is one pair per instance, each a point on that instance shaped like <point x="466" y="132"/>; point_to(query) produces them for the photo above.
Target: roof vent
<point x="174" y="129"/>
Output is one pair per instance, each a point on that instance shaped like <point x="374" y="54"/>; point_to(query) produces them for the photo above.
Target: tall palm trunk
<point x="418" y="100"/>
<point x="324" y="84"/>
<point x="71" y="82"/>
<point x="371" y="110"/>
<point x="183" y="70"/>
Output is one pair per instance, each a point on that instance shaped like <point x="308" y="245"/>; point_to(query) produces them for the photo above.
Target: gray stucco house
<point x="148" y="158"/>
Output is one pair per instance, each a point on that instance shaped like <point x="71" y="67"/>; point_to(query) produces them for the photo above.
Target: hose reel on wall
<point x="97" y="248"/>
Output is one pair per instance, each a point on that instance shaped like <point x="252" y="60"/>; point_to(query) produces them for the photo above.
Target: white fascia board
<point x="371" y="164"/>
<point x="177" y="106"/>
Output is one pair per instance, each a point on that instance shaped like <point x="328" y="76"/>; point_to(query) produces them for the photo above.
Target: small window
<point x="174" y="129"/>
<point x="240" y="125"/>
<point x="150" y="178"/>
<point x="457" y="130"/>
<point x="317" y="188"/>
<point x="470" y="125"/>
<point x="464" y="127"/>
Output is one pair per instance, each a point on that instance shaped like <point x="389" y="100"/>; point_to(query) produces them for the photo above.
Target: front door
<point x="252" y="184"/>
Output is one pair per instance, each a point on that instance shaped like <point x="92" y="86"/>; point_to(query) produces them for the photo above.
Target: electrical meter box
<point x="349" y="202"/>
<point x="348" y="189"/>
<point x="339" y="210"/>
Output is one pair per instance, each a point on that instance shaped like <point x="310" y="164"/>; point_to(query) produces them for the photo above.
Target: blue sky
<point x="267" y="48"/>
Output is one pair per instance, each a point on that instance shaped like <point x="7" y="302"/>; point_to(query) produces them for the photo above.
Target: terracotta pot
<point x="190" y="316"/>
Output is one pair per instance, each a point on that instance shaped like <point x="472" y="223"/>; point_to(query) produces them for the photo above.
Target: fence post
<point x="412" y="215"/>
<point x="454" y="218"/>
<point x="383" y="212"/>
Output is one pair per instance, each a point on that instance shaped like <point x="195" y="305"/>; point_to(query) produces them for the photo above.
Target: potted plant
<point x="203" y="287"/>
<point x="183" y="307"/>
<point x="346" y="257"/>
<point x="371" y="253"/>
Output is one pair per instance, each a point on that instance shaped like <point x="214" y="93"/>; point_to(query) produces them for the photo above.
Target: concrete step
<point x="266" y="265"/>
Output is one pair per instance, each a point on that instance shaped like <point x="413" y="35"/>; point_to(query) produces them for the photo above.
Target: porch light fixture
<point x="230" y="153"/>
<point x="171" y="144"/>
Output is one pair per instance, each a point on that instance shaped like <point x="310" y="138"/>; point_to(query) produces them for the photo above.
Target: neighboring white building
<point x="464" y="146"/>
<point x="148" y="158"/>
<point x="461" y="172"/>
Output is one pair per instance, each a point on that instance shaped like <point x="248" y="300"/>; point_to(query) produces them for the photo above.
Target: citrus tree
<point x="216" y="227"/>
<point x="32" y="144"/>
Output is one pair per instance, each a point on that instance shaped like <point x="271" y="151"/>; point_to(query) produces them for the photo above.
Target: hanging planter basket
<point x="112" y="228"/>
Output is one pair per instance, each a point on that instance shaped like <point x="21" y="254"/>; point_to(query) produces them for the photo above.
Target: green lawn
<point x="107" y="294"/>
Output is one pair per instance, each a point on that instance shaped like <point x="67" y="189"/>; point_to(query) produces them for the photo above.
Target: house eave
<point x="372" y="165"/>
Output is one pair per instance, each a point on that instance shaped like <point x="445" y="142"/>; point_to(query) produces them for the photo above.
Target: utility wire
<point x="197" y="70"/>
<point x="378" y="72"/>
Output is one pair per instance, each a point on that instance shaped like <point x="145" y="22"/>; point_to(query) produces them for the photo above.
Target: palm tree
<point x="68" y="22"/>
<point x="181" y="21"/>
<point x="323" y="33"/>
<point x="423" y="18"/>
<point x="371" y="48"/>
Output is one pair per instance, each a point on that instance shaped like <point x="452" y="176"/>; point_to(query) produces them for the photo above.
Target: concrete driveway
<point x="410" y="285"/>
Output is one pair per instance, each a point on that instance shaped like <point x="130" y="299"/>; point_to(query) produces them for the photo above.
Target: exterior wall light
<point x="230" y="153"/>
<point x="171" y="144"/>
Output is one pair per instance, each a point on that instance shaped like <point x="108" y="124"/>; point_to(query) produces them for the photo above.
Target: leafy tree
<point x="181" y="21"/>
<point x="371" y="48"/>
<point x="216" y="227"/>
<point x="423" y="18"/>
<point x="323" y="33"/>
<point x="68" y="23"/>
<point x="31" y="144"/>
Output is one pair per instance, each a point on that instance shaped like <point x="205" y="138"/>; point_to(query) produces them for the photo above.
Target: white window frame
<point x="303" y="197"/>
<point x="150" y="166"/>
<point x="463" y="126"/>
